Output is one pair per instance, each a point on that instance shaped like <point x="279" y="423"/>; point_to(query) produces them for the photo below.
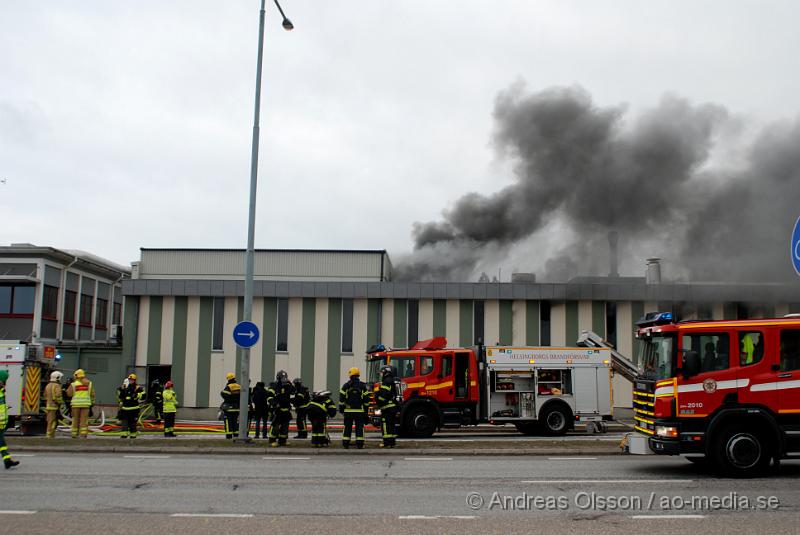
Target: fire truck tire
<point x="740" y="451"/>
<point x="555" y="420"/>
<point x="420" y="421"/>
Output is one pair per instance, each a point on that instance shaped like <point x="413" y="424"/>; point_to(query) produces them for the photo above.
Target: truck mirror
<point x="691" y="363"/>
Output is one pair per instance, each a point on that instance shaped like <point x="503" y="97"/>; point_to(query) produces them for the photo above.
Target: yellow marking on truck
<point x="643" y="430"/>
<point x="33" y="383"/>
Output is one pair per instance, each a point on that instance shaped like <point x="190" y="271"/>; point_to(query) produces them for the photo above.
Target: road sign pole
<point x="244" y="422"/>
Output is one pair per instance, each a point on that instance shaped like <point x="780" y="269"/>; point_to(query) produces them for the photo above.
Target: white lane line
<point x="604" y="481"/>
<point x="668" y="517"/>
<point x="23" y="455"/>
<point x="424" y="517"/>
<point x="210" y="515"/>
<point x="282" y="458"/>
<point x="427" y="458"/>
<point x="146" y="456"/>
<point x="17" y="512"/>
<point x="572" y="458"/>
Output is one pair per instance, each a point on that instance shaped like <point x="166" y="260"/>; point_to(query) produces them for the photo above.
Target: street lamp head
<point x="287" y="25"/>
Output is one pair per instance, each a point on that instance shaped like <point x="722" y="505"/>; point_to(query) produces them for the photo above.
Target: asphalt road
<point x="117" y="493"/>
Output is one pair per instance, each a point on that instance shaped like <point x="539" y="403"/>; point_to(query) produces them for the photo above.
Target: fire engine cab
<point x="726" y="392"/>
<point x="537" y="389"/>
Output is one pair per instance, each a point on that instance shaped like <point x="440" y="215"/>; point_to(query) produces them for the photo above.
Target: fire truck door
<point x="789" y="373"/>
<point x="462" y="375"/>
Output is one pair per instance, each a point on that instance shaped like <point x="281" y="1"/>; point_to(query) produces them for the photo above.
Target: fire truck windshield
<point x="374" y="365"/>
<point x="656" y="356"/>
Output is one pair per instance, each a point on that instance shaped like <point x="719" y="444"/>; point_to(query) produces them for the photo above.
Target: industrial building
<point x="319" y="310"/>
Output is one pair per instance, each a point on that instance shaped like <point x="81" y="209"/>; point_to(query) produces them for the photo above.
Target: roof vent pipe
<point x="653" y="274"/>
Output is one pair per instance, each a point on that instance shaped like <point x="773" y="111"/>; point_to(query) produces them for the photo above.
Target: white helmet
<point x="56" y="376"/>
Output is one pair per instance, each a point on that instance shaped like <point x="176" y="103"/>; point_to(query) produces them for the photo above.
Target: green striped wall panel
<point x="154" y="330"/>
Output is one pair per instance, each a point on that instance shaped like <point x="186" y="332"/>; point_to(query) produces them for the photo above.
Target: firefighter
<point x="54" y="400"/>
<point x="7" y="460"/>
<point x="320" y="408"/>
<point x="157" y="399"/>
<point x="230" y="405"/>
<point x="130" y="397"/>
<point x="170" y="408"/>
<point x="279" y="396"/>
<point x="387" y="403"/>
<point x="354" y="403"/>
<point x="300" y="402"/>
<point x="81" y="394"/>
<point x="260" y="409"/>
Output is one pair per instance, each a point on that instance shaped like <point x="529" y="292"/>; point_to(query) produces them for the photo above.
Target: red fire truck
<point x="537" y="389"/>
<point x="723" y="392"/>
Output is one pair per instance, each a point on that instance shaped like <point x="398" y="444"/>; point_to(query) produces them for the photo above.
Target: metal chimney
<point x="653" y="274"/>
<point x="613" y="253"/>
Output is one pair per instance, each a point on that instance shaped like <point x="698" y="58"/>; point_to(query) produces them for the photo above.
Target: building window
<point x="17" y="300"/>
<point x="611" y="323"/>
<point x="282" y="342"/>
<point x="347" y="325"/>
<point x="69" y="306"/>
<point x="102" y="314"/>
<point x="478" y="321"/>
<point x="413" y="322"/>
<point x="218" y="323"/>
<point x="50" y="303"/>
<point x="544" y="322"/>
<point x="116" y="318"/>
<point x="86" y="310"/>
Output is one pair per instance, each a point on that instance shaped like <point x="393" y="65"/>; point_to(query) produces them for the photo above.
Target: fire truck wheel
<point x="740" y="452"/>
<point x="419" y="422"/>
<point x="555" y="420"/>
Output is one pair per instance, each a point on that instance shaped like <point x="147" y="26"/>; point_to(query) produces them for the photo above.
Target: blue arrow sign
<point x="796" y="246"/>
<point x="245" y="334"/>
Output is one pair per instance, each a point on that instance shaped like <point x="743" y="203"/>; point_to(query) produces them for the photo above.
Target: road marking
<point x="17" y="512"/>
<point x="572" y="458"/>
<point x="423" y="517"/>
<point x="23" y="455"/>
<point x="427" y="458"/>
<point x="282" y="458"/>
<point x="146" y="456"/>
<point x="211" y="515"/>
<point x="668" y="517"/>
<point x="605" y="481"/>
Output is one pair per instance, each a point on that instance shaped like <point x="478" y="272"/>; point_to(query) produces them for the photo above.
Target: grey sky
<point x="128" y="124"/>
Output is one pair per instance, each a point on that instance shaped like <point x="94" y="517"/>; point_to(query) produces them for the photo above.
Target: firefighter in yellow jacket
<point x="54" y="400"/>
<point x="7" y="460"/>
<point x="230" y="405"/>
<point x="81" y="393"/>
<point x="170" y="409"/>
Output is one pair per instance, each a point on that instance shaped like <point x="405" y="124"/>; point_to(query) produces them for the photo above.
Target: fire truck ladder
<point x="619" y="363"/>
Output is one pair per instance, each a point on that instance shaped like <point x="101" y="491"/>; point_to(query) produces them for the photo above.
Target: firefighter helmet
<point x="168" y="384"/>
<point x="79" y="373"/>
<point x="297" y="381"/>
<point x="353" y="372"/>
<point x="56" y="376"/>
<point x="230" y="376"/>
<point x="282" y="376"/>
<point x="387" y="370"/>
<point x="131" y="377"/>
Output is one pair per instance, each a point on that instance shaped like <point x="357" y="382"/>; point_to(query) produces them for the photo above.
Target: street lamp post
<point x="244" y="397"/>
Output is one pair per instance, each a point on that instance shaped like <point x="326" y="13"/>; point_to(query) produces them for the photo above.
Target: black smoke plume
<point x="666" y="180"/>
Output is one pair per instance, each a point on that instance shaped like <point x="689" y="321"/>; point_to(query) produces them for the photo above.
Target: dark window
<point x="413" y="322"/>
<point x="611" y="323"/>
<point x="405" y="366"/>
<point x="447" y="366"/>
<point x="544" y="322"/>
<point x="425" y="365"/>
<point x="347" y="325"/>
<point x="117" y="315"/>
<point x="86" y="310"/>
<point x="712" y="348"/>
<point x="790" y="350"/>
<point x="478" y="322"/>
<point x="17" y="299"/>
<point x="69" y="306"/>
<point x="751" y="347"/>
<point x="50" y="303"/>
<point x="102" y="314"/>
<point x="705" y="311"/>
<point x="218" y="324"/>
<point x="283" y="326"/>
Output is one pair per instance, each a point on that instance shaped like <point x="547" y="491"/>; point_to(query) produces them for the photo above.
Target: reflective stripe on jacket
<point x="82" y="394"/>
<point x="3" y="410"/>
